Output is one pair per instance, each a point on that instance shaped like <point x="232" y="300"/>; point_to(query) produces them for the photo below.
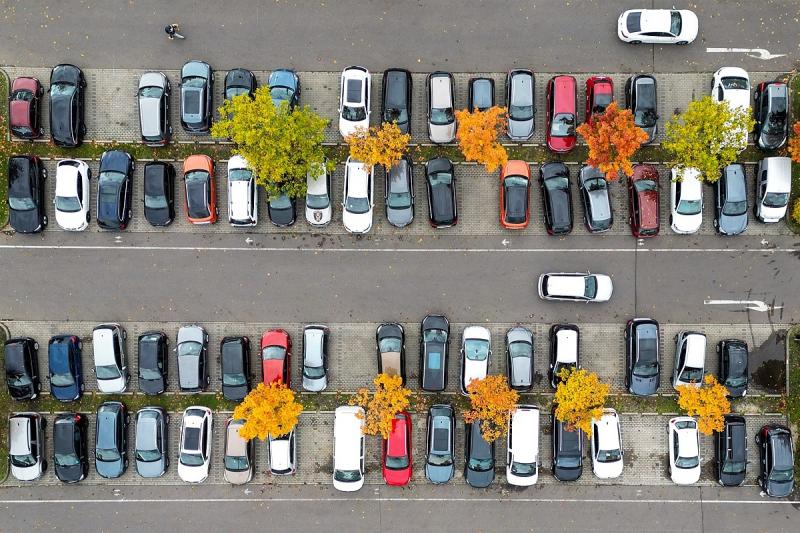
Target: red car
<point x="24" y="106"/>
<point x="643" y="201"/>
<point x="562" y="113"/>
<point x="397" y="452"/>
<point x="599" y="94"/>
<point x="515" y="186"/>
<point x="276" y="353"/>
<point x="201" y="189"/>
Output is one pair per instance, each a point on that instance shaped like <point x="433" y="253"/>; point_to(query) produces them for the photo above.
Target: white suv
<point x="319" y="208"/>
<point x="283" y="454"/>
<point x="690" y="359"/>
<point x="242" y="193"/>
<point x="684" y="450"/>
<point x="72" y="195"/>
<point x="354" y="100"/>
<point x="575" y="287"/>
<point x="195" y="444"/>
<point x="349" y="465"/>
<point x="686" y="205"/>
<point x="110" y="358"/>
<point x="607" y="451"/>
<point x="358" y="197"/>
<point x="732" y="85"/>
<point x="522" y="466"/>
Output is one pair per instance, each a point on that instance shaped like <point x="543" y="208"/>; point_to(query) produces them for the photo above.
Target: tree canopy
<point x="612" y="138"/>
<point x="491" y="402"/>
<point x="383" y="145"/>
<point x="708" y="402"/>
<point x="477" y="136"/>
<point x="580" y="398"/>
<point x="381" y="406"/>
<point x="268" y="410"/>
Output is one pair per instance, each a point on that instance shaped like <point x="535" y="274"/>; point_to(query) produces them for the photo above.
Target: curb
<point x="7" y="334"/>
<point x="7" y="137"/>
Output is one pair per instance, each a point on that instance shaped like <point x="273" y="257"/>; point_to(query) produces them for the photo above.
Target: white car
<point x="349" y="458"/>
<point x="684" y="450"/>
<point x="110" y="358"/>
<point x="522" y="442"/>
<point x="441" y="105"/>
<point x="26" y="442"/>
<point x="72" y="195"/>
<point x="319" y="208"/>
<point x="242" y="193"/>
<point x="657" y="26"/>
<point x="354" y="100"/>
<point x="575" y="287"/>
<point x="283" y="454"/>
<point x="686" y="201"/>
<point x="476" y="348"/>
<point x="358" y="201"/>
<point x="690" y="359"/>
<point x="607" y="451"/>
<point x="195" y="445"/>
<point x="732" y="85"/>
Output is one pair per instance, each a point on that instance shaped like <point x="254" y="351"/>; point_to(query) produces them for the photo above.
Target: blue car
<point x="66" y="374"/>
<point x="284" y="86"/>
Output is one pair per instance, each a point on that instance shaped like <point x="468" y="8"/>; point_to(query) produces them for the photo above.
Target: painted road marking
<point x="757" y="53"/>
<point x="753" y="305"/>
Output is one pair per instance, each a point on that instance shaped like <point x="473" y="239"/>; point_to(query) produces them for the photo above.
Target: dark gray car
<point x="733" y="366"/>
<point x="567" y="451"/>
<point x="520" y="90"/>
<point x="481" y="94"/>
<point x="596" y="197"/>
<point x="519" y="358"/>
<point x="152" y="442"/>
<point x="440" y="457"/>
<point x="478" y="457"/>
<point x="396" y="101"/>
<point x="399" y="193"/>
<point x="643" y="367"/>
<point x="197" y="90"/>
<point x="192" y="352"/>
<point x="730" y="201"/>
<point x="770" y="109"/>
<point x="777" y="460"/>
<point x="641" y="98"/>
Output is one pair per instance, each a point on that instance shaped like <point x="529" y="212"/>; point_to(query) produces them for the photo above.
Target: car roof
<point x="67" y="185"/>
<point x="357" y="179"/>
<point x="396" y="443"/>
<point x="441" y="95"/>
<point x="347" y="433"/>
<point x="687" y="437"/>
<point x="567" y="345"/>
<point x="318" y="185"/>
<point x="778" y="173"/>
<point x="279" y="454"/>
<point x="607" y="430"/>
<point x="564" y="285"/>
<point x="564" y="88"/>
<point x="695" y="350"/>
<point x="655" y="20"/>
<point x="19" y="431"/>
<point x="234" y="444"/>
<point x="691" y="187"/>
<point x="103" y="345"/>
<point x="525" y="429"/>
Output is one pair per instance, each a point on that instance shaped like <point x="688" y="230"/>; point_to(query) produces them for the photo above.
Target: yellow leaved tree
<point x="708" y="402"/>
<point x="477" y="136"/>
<point x="491" y="402"/>
<point x="383" y="145"/>
<point x="794" y="143"/>
<point x="268" y="410"/>
<point x="580" y="397"/>
<point x="381" y="406"/>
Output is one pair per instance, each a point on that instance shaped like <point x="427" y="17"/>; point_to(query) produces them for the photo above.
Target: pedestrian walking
<point x="172" y="32"/>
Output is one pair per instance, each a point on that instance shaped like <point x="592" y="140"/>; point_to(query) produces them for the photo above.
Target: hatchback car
<point x="24" y="108"/>
<point x="153" y="349"/>
<point x="686" y="205"/>
<point x="154" y="109"/>
<point x="192" y="350"/>
<point x="235" y="361"/>
<point x="276" y="357"/>
<point x="319" y="208"/>
<point x="22" y="368"/>
<point x="476" y="350"/>
<point x="684" y="450"/>
<point x="732" y="85"/>
<point x="65" y="367"/>
<point x="242" y="193"/>
<point x="201" y="189"/>
<point x="282" y="210"/>
<point x="730" y="201"/>
<point x="434" y="348"/>
<point x="642" y="360"/>
<point x="194" y="455"/>
<point x="283" y="454"/>
<point x="771" y="105"/>
<point x="26" y="446"/>
<point x="396" y="101"/>
<point x="773" y="188"/>
<point x="607" y="453"/>
<point x="565" y="344"/>
<point x="643" y="201"/>
<point x="440" y="179"/>
<point x="354" y="100"/>
<point x="238" y="454"/>
<point x="349" y="458"/>
<point x="733" y="368"/>
<point x="110" y="358"/>
<point x="440" y="444"/>
<point x="519" y="358"/>
<point x="522" y="441"/>
<point x="72" y="195"/>
<point x="478" y="457"/>
<point x="111" y="440"/>
<point x="657" y="26"/>
<point x="26" y="191"/>
<point x="567" y="451"/>
<point x="556" y="198"/>
<point x="730" y="451"/>
<point x="197" y="93"/>
<point x="152" y="442"/>
<point x="390" y="339"/>
<point x="575" y="287"/>
<point x="396" y="452"/>
<point x="315" y="358"/>
<point x="642" y="100"/>
<point x="520" y="98"/>
<point x="480" y="94"/>
<point x="399" y="193"/>
<point x="159" y="193"/>
<point x="515" y="186"/>
<point x="358" y="197"/>
<point x="67" y="108"/>
<point x="284" y="86"/>
<point x="776" y="460"/>
<point x="595" y="191"/>
<point x="599" y="95"/>
<point x="562" y="114"/>
<point x="441" y="104"/>
<point x="239" y="81"/>
<point x="115" y="190"/>
<point x="70" y="449"/>
<point x="690" y="359"/>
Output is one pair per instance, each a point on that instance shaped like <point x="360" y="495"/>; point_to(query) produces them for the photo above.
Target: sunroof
<point x="354" y="91"/>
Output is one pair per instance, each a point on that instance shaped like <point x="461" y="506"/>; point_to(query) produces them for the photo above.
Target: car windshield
<point x="194" y="81"/>
<point x="25" y="96"/>
<point x="279" y="94"/>
<point x="23" y="461"/>
<point x="516" y="181"/>
<point x="476" y="349"/>
<point x="396" y="115"/>
<point x="776" y="199"/>
<point x="399" y="200"/>
<point x="563" y="125"/>
<point x="150" y="92"/>
<point x="317" y="201"/>
<point x="191" y="459"/>
<point x="346" y="476"/>
<point x="675" y="23"/>
<point x="739" y="381"/>
<point x="556" y="183"/>
<point x="107" y="372"/>
<point x="440" y="178"/>
<point x="601" y="102"/>
<point x="435" y="335"/>
<point x="19" y="380"/>
<point x="109" y="454"/>
<point x="520" y="349"/>
<point x="735" y="83"/>
<point x="689" y="207"/>
<point x="357" y="205"/>
<point x="236" y="463"/>
<point x="776" y="121"/>
<point x="442" y="116"/>
<point x="273" y="352"/>
<point x="480" y="465"/>
<point x="691" y="374"/>
<point x="234" y="380"/>
<point x="61" y="380"/>
<point x="568" y="461"/>
<point x="609" y="456"/>
<point x="354" y="114"/>
<point x="21" y="204"/>
<point x="520" y="112"/>
<point x="280" y="202"/>
<point x="436" y="459"/>
<point x="61" y="89"/>
<point x="189" y="348"/>
<point x="648" y="369"/>
<point x="149" y="373"/>
<point x="645" y="118"/>
<point x="236" y="91"/>
<point x="734" y="208"/>
<point x="68" y="204"/>
<point x="66" y="459"/>
<point x="396" y="463"/>
<point x="734" y="467"/>
<point x="155" y="201"/>
<point x="781" y="475"/>
<point x="595" y="184"/>
<point x="687" y="462"/>
<point x="645" y="185"/>
<point x="589" y="286"/>
<point x="148" y="456"/>
<point x="390" y="344"/>
<point x="314" y="372"/>
<point x="240" y="174"/>
<point x="523" y="469"/>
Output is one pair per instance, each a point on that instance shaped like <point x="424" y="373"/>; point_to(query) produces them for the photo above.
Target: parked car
<point x="276" y="357"/>
<point x="65" y="368"/>
<point x="399" y="193"/>
<point x="776" y="458"/>
<point x="390" y="339"/>
<point x="73" y="195"/>
<point x="567" y="451"/>
<point x="396" y="101"/>
<point x="730" y="201"/>
<point x="556" y="198"/>
<point x="478" y="457"/>
<point x="235" y="358"/>
<point x="349" y="464"/>
<point x="153" y="362"/>
<point x="152" y="442"/>
<point x="159" y="193"/>
<point x="315" y="358"/>
<point x="686" y="206"/>
<point x="773" y="188"/>
<point x="607" y="453"/>
<point x="480" y="94"/>
<point x="284" y="86"/>
<point x="283" y="454"/>
<point x="641" y="98"/>
<point x="515" y="187"/>
<point x="238" y="454"/>
<point x="732" y="85"/>
<point x="599" y="95"/>
<point x="434" y="348"/>
<point x="643" y="201"/>
<point x="476" y="350"/>
<point x="115" y="190"/>
<point x="111" y="440"/>
<point x="67" y="108"/>
<point x="522" y="463"/>
<point x="440" y="444"/>
<point x="562" y="114"/>
<point x="201" y="189"/>
<point x="192" y="350"/>
<point x="595" y="191"/>
<point x="194" y="456"/>
<point x="242" y="193"/>
<point x="154" y="109"/>
<point x="684" y="450"/>
<point x="733" y="368"/>
<point x="24" y="108"/>
<point x="441" y="104"/>
<point x="730" y="451"/>
<point x="519" y="358"/>
<point x="22" y="368"/>
<point x="396" y="452"/>
<point x="657" y="26"/>
<point x="26" y="446"/>
<point x="319" y="208"/>
<point x="771" y="105"/>
<point x="239" y="81"/>
<point x="643" y="362"/>
<point x="520" y="98"/>
<point x="575" y="287"/>
<point x="70" y="449"/>
<point x="565" y="343"/>
<point x="110" y="358"/>
<point x="690" y="359"/>
<point x="282" y="210"/>
<point x="26" y="190"/>
<point x="197" y="93"/>
<point x="358" y="197"/>
<point x="440" y="179"/>
<point x="354" y="100"/>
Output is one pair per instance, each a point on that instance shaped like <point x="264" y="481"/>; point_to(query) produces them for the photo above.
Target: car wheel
<point x="44" y="466"/>
<point x="44" y="221"/>
<point x="636" y="42"/>
<point x="681" y="43"/>
<point x="35" y="345"/>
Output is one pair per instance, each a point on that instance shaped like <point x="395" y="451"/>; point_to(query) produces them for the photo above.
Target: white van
<point x="522" y="466"/>
<point x="773" y="186"/>
<point x="348" y="448"/>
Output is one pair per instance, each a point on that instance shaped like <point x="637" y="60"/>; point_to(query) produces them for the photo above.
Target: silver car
<point x="441" y="104"/>
<point x="26" y="446"/>
<point x="152" y="442"/>
<point x="399" y="193"/>
<point x="153" y="96"/>
<point x="519" y="358"/>
<point x="520" y="92"/>
<point x="315" y="358"/>
<point x="319" y="208"/>
<point x="596" y="197"/>
<point x="192" y="352"/>
<point x="239" y="454"/>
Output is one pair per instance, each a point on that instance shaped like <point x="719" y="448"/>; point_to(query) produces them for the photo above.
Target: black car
<point x="197" y="92"/>
<point x="730" y="451"/>
<point x="434" y="351"/>
<point x="153" y="356"/>
<point x="598" y="216"/>
<point x="565" y="343"/>
<point x="111" y="440"/>
<point x="396" y="101"/>
<point x="567" y="451"/>
<point x="239" y="81"/>
<point x="733" y="368"/>
<point x="440" y="441"/>
<point x="556" y="197"/>
<point x="478" y="457"/>
<point x="159" y="193"/>
<point x="70" y="450"/>
<point x="282" y="210"/>
<point x="26" y="175"/>
<point x="284" y="86"/>
<point x="115" y="190"/>
<point x="777" y="460"/>
<point x="399" y="193"/>
<point x="771" y="105"/>
<point x="235" y="356"/>
<point x="67" y="125"/>
<point x="441" y="181"/>
<point x="730" y="201"/>
<point x="390" y="339"/>
<point x="64" y="356"/>
<point x="643" y="365"/>
<point x="481" y="94"/>
<point x="22" y="368"/>
<point x="642" y="100"/>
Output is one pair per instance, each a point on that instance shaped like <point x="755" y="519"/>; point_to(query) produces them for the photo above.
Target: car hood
<point x="400" y="217"/>
<point x="194" y="334"/>
<point x="235" y="393"/>
<point x="238" y="198"/>
<point x="25" y="221"/>
<point x="439" y="474"/>
<point x="68" y="393"/>
<point x="521" y="371"/>
<point x="115" y="161"/>
<point x="283" y="217"/>
<point x="567" y="474"/>
<point x="479" y="479"/>
<point x="685" y="476"/>
<point x="195" y="68"/>
<point x="238" y="478"/>
<point x="770" y="141"/>
<point x="315" y="385"/>
<point x="644" y="386"/>
<point x="357" y="223"/>
<point x="70" y="473"/>
<point x="780" y="489"/>
<point x="152" y="386"/>
<point x="111" y="385"/>
<point x="442" y="134"/>
<point x="604" y="288"/>
<point x="23" y="392"/>
<point x="28" y="473"/>
<point x="152" y="468"/>
<point x="64" y="73"/>
<point x="520" y="130"/>
<point x="731" y="480"/>
<point x="109" y="469"/>
<point x="732" y="225"/>
<point x="686" y="223"/>
<point x="158" y="217"/>
<point x="193" y="474"/>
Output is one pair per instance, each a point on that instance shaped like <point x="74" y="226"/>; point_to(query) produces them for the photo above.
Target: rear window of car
<point x="634" y="22"/>
<point x="435" y="360"/>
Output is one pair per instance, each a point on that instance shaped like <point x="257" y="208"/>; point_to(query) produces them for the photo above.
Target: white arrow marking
<point x="758" y="53"/>
<point x="753" y="305"/>
<point x="248" y="492"/>
<point x="248" y="240"/>
<point x="764" y="242"/>
<point x="505" y="242"/>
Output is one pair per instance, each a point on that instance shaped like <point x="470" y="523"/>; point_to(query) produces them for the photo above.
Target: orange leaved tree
<point x="491" y="402"/>
<point x="268" y="410"/>
<point x="613" y="138"/>
<point x="794" y="142"/>
<point x="708" y="402"/>
<point x="580" y="397"/>
<point x="383" y="145"/>
<point x="477" y="136"/>
<point x="389" y="398"/>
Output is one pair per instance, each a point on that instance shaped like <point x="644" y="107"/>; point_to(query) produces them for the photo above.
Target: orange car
<point x="201" y="190"/>
<point x="515" y="186"/>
